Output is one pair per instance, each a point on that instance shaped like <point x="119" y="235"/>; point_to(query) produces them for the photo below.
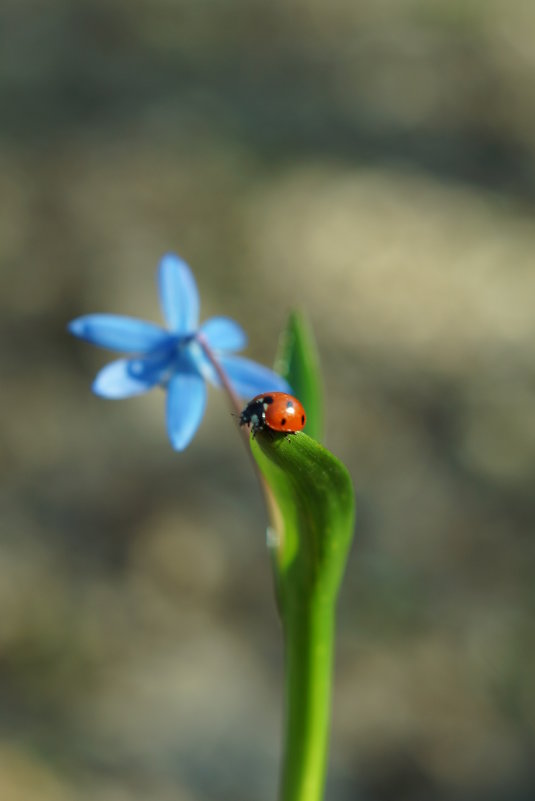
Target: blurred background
<point x="374" y="164"/>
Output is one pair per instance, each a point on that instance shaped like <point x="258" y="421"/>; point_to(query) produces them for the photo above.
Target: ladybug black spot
<point x="283" y="421"/>
<point x="303" y="419"/>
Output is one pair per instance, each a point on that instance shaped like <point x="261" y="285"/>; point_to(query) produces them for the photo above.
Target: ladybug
<point x="276" y="411"/>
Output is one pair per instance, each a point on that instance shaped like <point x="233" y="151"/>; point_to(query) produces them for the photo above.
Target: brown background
<point x="372" y="163"/>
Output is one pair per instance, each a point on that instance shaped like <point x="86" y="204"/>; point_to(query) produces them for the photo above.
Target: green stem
<point x="309" y="640"/>
<point x="237" y="406"/>
<point x="225" y="383"/>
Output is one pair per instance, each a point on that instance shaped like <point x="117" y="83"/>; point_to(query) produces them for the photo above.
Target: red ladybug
<point x="276" y="411"/>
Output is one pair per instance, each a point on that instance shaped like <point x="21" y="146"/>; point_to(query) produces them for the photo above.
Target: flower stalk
<point x="225" y="383"/>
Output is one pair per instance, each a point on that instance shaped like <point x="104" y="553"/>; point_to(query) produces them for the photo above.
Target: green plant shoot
<point x="312" y="507"/>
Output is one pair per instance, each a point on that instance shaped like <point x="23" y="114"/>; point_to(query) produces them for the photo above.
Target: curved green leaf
<point x="313" y="507"/>
<point x="298" y="362"/>
<point x="316" y="508"/>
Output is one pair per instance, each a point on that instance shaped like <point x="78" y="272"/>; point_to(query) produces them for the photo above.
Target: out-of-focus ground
<point x="374" y="164"/>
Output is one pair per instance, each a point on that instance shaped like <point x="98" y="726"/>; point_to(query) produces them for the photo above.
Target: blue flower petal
<point x="186" y="400"/>
<point x="249" y="378"/>
<point x="118" y="333"/>
<point x="222" y="333"/>
<point x="124" y="378"/>
<point x="179" y="297"/>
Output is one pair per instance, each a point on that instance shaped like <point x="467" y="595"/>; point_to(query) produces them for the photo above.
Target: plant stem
<point x="225" y="383"/>
<point x="309" y="640"/>
<point x="235" y="403"/>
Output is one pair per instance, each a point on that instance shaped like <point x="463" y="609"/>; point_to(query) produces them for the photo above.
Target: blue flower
<point x="176" y="358"/>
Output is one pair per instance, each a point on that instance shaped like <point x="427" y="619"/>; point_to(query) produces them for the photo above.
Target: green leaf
<point x="312" y="504"/>
<point x="315" y="513"/>
<point x="298" y="362"/>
